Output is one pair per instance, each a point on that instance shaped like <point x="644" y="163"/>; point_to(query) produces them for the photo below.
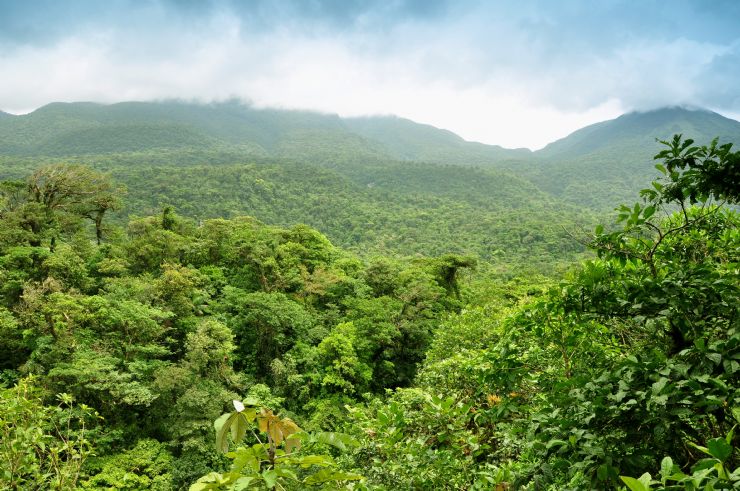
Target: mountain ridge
<point x="645" y="127"/>
<point x="277" y="132"/>
<point x="595" y="166"/>
<point x="265" y="131"/>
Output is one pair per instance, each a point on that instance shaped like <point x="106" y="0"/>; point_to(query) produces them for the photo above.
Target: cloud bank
<point x="516" y="75"/>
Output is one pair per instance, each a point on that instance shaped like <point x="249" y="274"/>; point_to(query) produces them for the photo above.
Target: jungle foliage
<point x="226" y="353"/>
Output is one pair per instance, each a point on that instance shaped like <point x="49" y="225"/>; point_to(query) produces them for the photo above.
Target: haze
<point x="517" y="75"/>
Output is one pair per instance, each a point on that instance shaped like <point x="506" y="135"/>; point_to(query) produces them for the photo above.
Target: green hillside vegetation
<point x="298" y="135"/>
<point x="593" y="168"/>
<point x="213" y="297"/>
<point x="404" y="139"/>
<point x="219" y="353"/>
<point x="398" y="209"/>
<point x="615" y="156"/>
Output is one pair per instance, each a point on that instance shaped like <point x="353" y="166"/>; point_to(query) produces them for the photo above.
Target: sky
<point x="517" y="74"/>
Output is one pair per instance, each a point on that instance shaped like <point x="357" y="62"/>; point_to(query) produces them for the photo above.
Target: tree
<point x="277" y="457"/>
<point x="77" y="190"/>
<point x="41" y="446"/>
<point x="691" y="176"/>
<point x="55" y="198"/>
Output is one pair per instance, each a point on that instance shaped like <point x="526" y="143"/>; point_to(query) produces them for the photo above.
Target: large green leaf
<point x="719" y="449"/>
<point x="331" y="475"/>
<point x="340" y="441"/>
<point x="270" y="477"/>
<point x="641" y="484"/>
<point x="309" y="460"/>
<point x="223" y="425"/>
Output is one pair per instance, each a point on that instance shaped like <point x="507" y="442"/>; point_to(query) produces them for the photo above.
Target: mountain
<point x="408" y="140"/>
<point x="374" y="184"/>
<point x="606" y="163"/>
<point x="636" y="133"/>
<point x="62" y="129"/>
<point x="3" y="115"/>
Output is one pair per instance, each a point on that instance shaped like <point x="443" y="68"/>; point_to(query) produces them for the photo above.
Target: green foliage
<point x="390" y="208"/>
<point x="446" y="373"/>
<point x="144" y="466"/>
<point x="707" y="473"/>
<point x="420" y="441"/>
<point x="282" y="461"/>
<point x="607" y="163"/>
<point x="629" y="357"/>
<point x="42" y="447"/>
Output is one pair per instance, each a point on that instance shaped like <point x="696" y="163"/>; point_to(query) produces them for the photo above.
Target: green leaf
<point x="239" y="428"/>
<point x="703" y="464"/>
<point x="248" y="458"/>
<point x="719" y="449"/>
<point x="270" y="477"/>
<point x="659" y="385"/>
<point x="223" y="425"/>
<point x="243" y="482"/>
<point x="309" y="460"/>
<point x="731" y="434"/>
<point x="331" y="475"/>
<point x="666" y="467"/>
<point x="555" y="442"/>
<point x="287" y="473"/>
<point x="634" y="484"/>
<point x="340" y="441"/>
<point x="716" y="358"/>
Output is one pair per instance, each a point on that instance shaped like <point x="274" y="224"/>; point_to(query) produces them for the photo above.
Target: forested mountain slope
<point x="595" y="166"/>
<point x="406" y="140"/>
<point x="635" y="133"/>
<point x="607" y="162"/>
<point x="86" y="128"/>
<point x="356" y="179"/>
<point x="394" y="208"/>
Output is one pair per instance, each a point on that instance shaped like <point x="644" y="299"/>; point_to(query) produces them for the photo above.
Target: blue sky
<point x="511" y="73"/>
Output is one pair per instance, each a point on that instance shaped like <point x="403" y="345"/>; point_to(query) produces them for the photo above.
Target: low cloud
<point x="515" y="76"/>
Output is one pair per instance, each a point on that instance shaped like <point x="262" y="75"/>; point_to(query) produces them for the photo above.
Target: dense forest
<point x="313" y="308"/>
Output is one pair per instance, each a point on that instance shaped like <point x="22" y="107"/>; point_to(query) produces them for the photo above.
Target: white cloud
<point x="489" y="80"/>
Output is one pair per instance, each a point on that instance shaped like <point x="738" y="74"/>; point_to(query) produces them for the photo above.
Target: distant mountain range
<point x="605" y="164"/>
<point x="632" y="132"/>
<point x="80" y="128"/>
<point x="85" y="128"/>
<point x="595" y="166"/>
<point x="373" y="185"/>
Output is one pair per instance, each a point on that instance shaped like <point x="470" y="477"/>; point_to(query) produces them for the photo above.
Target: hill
<point x="608" y="162"/>
<point x="408" y="140"/>
<point x="358" y="180"/>
<point x="63" y="129"/>
<point x="636" y="133"/>
<point x="399" y="208"/>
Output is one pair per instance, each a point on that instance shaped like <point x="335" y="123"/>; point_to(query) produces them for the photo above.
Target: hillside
<point x="135" y="338"/>
<point x="607" y="162"/>
<point x="63" y="129"/>
<point x="406" y="140"/>
<point x="395" y="208"/>
<point x="358" y="180"/>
